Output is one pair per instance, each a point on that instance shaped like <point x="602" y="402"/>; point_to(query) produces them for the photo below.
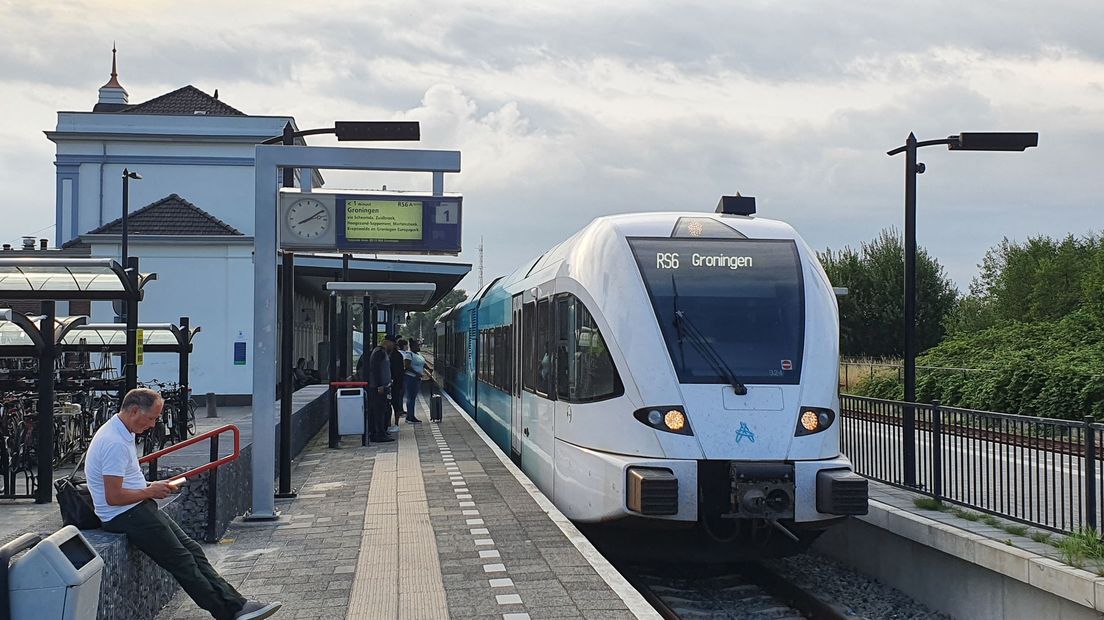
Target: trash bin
<point x="350" y="411"/>
<point x="56" y="579"/>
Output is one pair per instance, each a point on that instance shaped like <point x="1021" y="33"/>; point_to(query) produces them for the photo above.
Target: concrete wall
<point x="929" y="563"/>
<point x="212" y="284"/>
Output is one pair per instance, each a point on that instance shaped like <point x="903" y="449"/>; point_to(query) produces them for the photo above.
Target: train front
<point x="734" y="356"/>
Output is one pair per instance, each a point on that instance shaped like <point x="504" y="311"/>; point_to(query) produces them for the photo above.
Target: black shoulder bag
<point x="75" y="501"/>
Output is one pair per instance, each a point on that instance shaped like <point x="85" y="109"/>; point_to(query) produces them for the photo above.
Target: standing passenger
<point x="379" y="382"/>
<point x="398" y="367"/>
<point x="413" y="378"/>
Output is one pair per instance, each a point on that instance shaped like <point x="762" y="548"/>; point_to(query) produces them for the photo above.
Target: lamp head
<point x="993" y="141"/>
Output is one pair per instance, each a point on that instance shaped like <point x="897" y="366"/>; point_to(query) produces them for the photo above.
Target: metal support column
<point x="908" y="438"/>
<point x="331" y="313"/>
<point x="185" y="392"/>
<point x="287" y="315"/>
<point x="47" y="355"/>
<point x="1090" y="473"/>
<point x="130" y="366"/>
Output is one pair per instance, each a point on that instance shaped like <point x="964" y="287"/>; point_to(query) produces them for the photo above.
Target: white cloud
<point x="564" y="113"/>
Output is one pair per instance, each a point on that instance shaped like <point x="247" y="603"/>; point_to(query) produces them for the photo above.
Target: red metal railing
<point x="214" y="463"/>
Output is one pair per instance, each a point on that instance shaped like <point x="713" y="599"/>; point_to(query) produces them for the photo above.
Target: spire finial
<point x="114" y="81"/>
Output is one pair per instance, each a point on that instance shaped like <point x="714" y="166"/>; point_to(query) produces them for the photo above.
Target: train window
<point x="528" y="360"/>
<point x="490" y="356"/>
<point x="585" y="370"/>
<point x="544" y="349"/>
<point x="565" y="347"/>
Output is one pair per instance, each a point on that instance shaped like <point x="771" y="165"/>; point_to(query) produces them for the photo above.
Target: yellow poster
<point x="387" y="220"/>
<point x="140" y="345"/>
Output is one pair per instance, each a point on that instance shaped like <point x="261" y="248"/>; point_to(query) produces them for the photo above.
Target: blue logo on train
<point x="744" y="432"/>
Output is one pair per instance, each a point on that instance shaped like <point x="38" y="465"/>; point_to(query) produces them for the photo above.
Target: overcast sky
<point x="567" y="111"/>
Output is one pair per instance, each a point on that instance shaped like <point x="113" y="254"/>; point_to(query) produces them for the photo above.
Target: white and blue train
<point x="666" y="371"/>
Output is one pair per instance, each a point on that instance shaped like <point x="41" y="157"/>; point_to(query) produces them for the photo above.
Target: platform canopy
<point x="156" y="337"/>
<point x="67" y="278"/>
<point x="398" y="294"/>
<point x="316" y="271"/>
<point x="20" y="335"/>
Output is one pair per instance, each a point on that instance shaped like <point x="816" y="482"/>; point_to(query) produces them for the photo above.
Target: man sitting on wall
<point x="124" y="501"/>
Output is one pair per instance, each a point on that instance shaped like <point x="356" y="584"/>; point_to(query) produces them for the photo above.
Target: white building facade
<point x="192" y="145"/>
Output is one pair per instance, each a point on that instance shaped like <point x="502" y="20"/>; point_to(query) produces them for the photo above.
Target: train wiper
<point x="685" y="326"/>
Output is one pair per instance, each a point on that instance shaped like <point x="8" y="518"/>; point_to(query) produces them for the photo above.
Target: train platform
<point x="437" y="524"/>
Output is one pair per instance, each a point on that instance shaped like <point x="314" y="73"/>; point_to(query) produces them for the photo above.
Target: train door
<point x="515" y="380"/>
<point x="538" y="396"/>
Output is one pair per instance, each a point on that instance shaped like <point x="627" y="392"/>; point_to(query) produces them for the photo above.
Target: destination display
<point x="391" y="222"/>
<point x="383" y="220"/>
<point x="406" y="223"/>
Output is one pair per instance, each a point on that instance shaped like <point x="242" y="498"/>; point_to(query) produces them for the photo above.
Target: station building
<point x="191" y="220"/>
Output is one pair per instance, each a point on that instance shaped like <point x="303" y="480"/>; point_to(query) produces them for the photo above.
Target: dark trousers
<point x="397" y="390"/>
<point x="379" y="412"/>
<point x="159" y="537"/>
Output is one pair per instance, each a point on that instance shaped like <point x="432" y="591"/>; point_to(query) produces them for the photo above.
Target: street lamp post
<point x="127" y="176"/>
<point x="972" y="141"/>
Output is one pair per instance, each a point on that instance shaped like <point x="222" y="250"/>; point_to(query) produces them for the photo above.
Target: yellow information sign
<point x="139" y="345"/>
<point x="383" y="220"/>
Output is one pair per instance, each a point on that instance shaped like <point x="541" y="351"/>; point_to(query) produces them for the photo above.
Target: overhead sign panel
<point x="384" y="222"/>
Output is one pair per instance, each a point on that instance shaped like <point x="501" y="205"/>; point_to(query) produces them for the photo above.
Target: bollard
<point x="212" y="407"/>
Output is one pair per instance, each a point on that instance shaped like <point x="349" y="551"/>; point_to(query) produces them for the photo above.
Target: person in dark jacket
<point x="378" y="376"/>
<point x="398" y="369"/>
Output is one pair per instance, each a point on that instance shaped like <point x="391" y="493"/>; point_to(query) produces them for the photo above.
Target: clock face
<point x="308" y="218"/>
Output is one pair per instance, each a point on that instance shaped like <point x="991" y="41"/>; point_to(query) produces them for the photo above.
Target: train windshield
<point x="728" y="308"/>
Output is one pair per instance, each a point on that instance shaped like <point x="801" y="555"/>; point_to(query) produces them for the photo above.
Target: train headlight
<point x="675" y="420"/>
<point x="813" y="420"/>
<point x="670" y="419"/>
<point x="810" y="421"/>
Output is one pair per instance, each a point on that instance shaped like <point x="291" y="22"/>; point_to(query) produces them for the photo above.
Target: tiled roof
<point x="172" y="215"/>
<point x="186" y="101"/>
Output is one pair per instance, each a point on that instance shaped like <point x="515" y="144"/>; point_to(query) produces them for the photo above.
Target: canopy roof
<point x="314" y="271"/>
<point x="19" y="334"/>
<point x="156" y="337"/>
<point x="67" y="278"/>
<point x="402" y="294"/>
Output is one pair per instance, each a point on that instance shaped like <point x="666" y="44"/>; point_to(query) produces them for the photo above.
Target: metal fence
<point x="1039" y="471"/>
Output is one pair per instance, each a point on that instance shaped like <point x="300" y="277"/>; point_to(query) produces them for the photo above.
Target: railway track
<point x="749" y="591"/>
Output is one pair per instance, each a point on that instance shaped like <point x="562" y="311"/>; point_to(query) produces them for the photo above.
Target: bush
<point x="1050" y="369"/>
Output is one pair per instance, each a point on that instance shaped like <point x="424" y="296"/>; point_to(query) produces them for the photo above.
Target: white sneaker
<point x="393" y="429"/>
<point x="254" y="610"/>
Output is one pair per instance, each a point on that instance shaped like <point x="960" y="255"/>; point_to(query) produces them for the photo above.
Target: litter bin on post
<point x="56" y="579"/>
<point x="350" y="411"/>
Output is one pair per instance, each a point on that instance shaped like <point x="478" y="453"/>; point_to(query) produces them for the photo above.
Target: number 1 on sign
<point x="446" y="213"/>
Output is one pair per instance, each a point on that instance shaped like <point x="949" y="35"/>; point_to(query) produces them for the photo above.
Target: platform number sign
<point x="447" y="213"/>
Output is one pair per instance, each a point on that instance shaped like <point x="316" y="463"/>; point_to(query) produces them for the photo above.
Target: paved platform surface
<point x="431" y="526"/>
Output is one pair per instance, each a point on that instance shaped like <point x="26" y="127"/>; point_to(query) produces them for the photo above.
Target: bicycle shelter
<point x="156" y="338"/>
<point x="50" y="280"/>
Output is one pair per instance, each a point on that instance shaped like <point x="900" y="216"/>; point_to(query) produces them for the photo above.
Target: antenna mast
<point x="480" y="261"/>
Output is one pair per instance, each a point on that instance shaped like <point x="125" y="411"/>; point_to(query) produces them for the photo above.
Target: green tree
<point x="1042" y="279"/>
<point x="420" y="324"/>
<point x="872" y="312"/>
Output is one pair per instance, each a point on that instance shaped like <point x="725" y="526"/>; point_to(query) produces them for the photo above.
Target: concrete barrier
<point x="962" y="574"/>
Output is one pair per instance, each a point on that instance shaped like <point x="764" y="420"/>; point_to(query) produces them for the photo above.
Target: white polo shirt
<point x="112" y="453"/>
